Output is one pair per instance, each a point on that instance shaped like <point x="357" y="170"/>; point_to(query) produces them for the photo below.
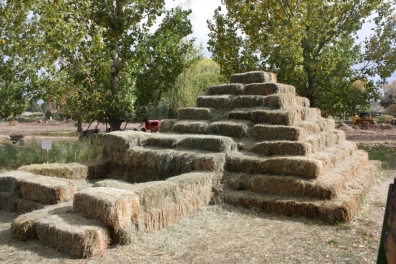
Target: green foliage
<point x="384" y="152"/>
<point x="389" y="98"/>
<point x="309" y="44"/>
<point x="383" y="118"/>
<point x="98" y="57"/>
<point x="65" y="151"/>
<point x="192" y="83"/>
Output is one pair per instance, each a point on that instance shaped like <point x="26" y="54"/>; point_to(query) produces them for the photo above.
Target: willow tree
<point x="92" y="53"/>
<point x="312" y="44"/>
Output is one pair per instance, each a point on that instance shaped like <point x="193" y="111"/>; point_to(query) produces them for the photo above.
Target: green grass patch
<point x="63" y="151"/>
<point x="53" y="134"/>
<point x="386" y="153"/>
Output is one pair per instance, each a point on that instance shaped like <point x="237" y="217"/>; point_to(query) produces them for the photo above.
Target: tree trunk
<point x="115" y="125"/>
<point x="79" y="125"/>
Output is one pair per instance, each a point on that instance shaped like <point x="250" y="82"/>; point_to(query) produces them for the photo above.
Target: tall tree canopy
<point x="93" y="55"/>
<point x="311" y="44"/>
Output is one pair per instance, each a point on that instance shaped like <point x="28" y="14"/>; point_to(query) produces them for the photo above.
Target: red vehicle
<point x="151" y="125"/>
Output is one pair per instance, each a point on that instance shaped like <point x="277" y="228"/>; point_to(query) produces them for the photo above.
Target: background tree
<point x="388" y="101"/>
<point x="310" y="44"/>
<point x="97" y="51"/>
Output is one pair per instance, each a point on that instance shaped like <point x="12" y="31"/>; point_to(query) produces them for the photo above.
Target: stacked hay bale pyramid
<point x="252" y="142"/>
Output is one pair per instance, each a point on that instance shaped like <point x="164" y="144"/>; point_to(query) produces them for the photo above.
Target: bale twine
<point x="253" y="77"/>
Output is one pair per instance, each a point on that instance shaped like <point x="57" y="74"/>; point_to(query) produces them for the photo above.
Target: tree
<point x="93" y="54"/>
<point x="192" y="83"/>
<point x="389" y="99"/>
<point x="310" y="44"/>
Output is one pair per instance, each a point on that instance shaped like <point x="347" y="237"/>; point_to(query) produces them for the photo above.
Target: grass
<point x="63" y="151"/>
<point x="386" y="153"/>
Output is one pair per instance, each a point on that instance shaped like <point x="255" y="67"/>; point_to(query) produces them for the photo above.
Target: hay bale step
<point x="340" y="209"/>
<point x="289" y="165"/>
<point x="215" y="101"/>
<point x="58" y="227"/>
<point x="328" y="186"/>
<point x="189" y="127"/>
<point x="230" y="128"/>
<point x="264" y="132"/>
<point x="8" y="201"/>
<point x="47" y="190"/>
<point x="10" y="181"/>
<point x="66" y="171"/>
<point x="322" y="140"/>
<point x="281" y="148"/>
<point x="287" y="117"/>
<point x="194" y="113"/>
<point x="233" y="88"/>
<point x="253" y="77"/>
<point x="118" y="209"/>
<point x="317" y="126"/>
<point x="130" y="139"/>
<point x="168" y="201"/>
<point x="268" y="88"/>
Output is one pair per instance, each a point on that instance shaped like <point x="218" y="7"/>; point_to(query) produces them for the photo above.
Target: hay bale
<point x="47" y="190"/>
<point x="279" y="101"/>
<point x="261" y="132"/>
<point x="66" y="171"/>
<point x="25" y="206"/>
<point x="9" y="181"/>
<point x="195" y="185"/>
<point x="194" y="113"/>
<point x="281" y="148"/>
<point x="208" y="143"/>
<point x="166" y="125"/>
<point x="119" y="209"/>
<point x="191" y="127"/>
<point x="233" y="88"/>
<point x="269" y="88"/>
<point x="244" y="101"/>
<point x="96" y="169"/>
<point x="292" y="166"/>
<point x="231" y="128"/>
<point x="218" y="101"/>
<point x="8" y="201"/>
<point x="253" y="77"/>
<point x="276" y="117"/>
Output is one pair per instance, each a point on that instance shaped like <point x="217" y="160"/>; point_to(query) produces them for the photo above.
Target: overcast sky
<point x="202" y="10"/>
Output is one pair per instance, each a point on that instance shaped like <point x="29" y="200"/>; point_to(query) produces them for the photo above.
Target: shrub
<point x="383" y="118"/>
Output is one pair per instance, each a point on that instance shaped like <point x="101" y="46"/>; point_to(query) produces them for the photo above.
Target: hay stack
<point x="233" y="88"/>
<point x="118" y="209"/>
<point x="253" y="77"/>
<point x="166" y="125"/>
<point x="66" y="171"/>
<point x="47" y="190"/>
<point x="281" y="148"/>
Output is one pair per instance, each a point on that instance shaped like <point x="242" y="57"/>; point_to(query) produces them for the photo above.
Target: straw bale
<point x="47" y="190"/>
<point x="253" y="77"/>
<point x="275" y="117"/>
<point x="119" y="209"/>
<point x="74" y="234"/>
<point x="196" y="184"/>
<point x="194" y="113"/>
<point x="290" y="186"/>
<point x="230" y="128"/>
<point x="269" y="88"/>
<point x="233" y="88"/>
<point x="309" y="127"/>
<point x="279" y="101"/>
<point x="238" y="182"/>
<point x="26" y="206"/>
<point x="209" y="143"/>
<point x="166" y="125"/>
<point x="292" y="166"/>
<point x="96" y="169"/>
<point x="281" y="148"/>
<point x="274" y="132"/>
<point x="191" y="127"/>
<point x="8" y="201"/>
<point x="24" y="226"/>
<point x="244" y="101"/>
<point x="215" y="101"/>
<point x="67" y="171"/>
<point x="9" y="181"/>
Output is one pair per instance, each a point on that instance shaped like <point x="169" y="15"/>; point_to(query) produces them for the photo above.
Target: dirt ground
<point x="227" y="234"/>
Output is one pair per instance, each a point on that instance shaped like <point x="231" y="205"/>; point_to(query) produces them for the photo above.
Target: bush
<point x="63" y="151"/>
<point x="383" y="119"/>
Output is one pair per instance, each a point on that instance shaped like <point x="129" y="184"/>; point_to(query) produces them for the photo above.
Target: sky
<point x="202" y="10"/>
